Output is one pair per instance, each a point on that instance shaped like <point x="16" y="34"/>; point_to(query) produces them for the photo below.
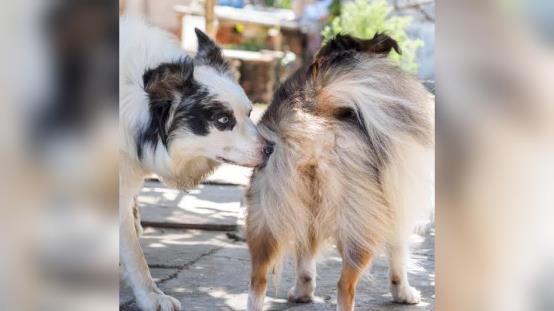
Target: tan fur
<point x="329" y="180"/>
<point x="349" y="277"/>
<point x="262" y="260"/>
<point x="162" y="86"/>
<point x="189" y="172"/>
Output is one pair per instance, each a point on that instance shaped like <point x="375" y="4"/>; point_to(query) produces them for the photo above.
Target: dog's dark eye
<point x="223" y="120"/>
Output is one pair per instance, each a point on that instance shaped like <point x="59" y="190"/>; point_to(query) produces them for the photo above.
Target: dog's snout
<point x="268" y="149"/>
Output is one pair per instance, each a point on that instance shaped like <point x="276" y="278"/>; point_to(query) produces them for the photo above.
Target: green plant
<point x="282" y="4"/>
<point x="252" y="44"/>
<point x="364" y="18"/>
<point x="334" y="9"/>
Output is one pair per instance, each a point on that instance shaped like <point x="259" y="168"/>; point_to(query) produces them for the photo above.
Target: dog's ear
<point x="209" y="53"/>
<point x="162" y="82"/>
<point x="380" y="44"/>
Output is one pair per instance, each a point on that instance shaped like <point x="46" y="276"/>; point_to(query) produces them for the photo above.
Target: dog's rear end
<point x="352" y="161"/>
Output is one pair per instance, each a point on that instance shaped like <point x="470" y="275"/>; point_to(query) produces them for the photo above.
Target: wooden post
<point x="210" y="17"/>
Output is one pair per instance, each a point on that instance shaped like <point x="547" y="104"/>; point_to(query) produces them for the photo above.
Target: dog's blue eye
<point x="223" y="120"/>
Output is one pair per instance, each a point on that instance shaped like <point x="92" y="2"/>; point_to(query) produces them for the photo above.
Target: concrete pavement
<point x="207" y="270"/>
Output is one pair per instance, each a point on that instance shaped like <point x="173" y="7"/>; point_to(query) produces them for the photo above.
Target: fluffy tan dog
<point x="352" y="163"/>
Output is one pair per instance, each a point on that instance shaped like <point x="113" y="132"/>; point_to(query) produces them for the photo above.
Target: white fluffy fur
<point x="348" y="205"/>
<point x="186" y="161"/>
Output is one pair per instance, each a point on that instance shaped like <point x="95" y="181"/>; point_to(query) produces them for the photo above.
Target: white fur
<point x="188" y="159"/>
<point x="254" y="302"/>
<point x="303" y="289"/>
<point x="144" y="47"/>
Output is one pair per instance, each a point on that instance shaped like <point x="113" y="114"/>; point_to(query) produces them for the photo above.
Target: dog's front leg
<point x="147" y="294"/>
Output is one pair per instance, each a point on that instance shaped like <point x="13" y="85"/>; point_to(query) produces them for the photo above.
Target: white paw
<point x="405" y="295"/>
<point x="255" y="303"/>
<point x="298" y="295"/>
<point x="158" y="301"/>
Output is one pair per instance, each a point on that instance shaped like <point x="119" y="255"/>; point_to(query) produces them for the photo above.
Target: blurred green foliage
<point x="282" y="4"/>
<point x="364" y="18"/>
<point x="253" y="44"/>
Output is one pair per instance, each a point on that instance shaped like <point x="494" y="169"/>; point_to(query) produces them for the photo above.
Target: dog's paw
<point x="255" y="303"/>
<point x="299" y="296"/>
<point x="158" y="301"/>
<point x="405" y="295"/>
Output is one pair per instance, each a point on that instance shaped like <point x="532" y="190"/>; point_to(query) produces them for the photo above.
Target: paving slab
<point x="219" y="281"/>
<point x="207" y="271"/>
<point x="211" y="272"/>
<point x="126" y="293"/>
<point x="213" y="204"/>
<point x="168" y="252"/>
<point x="172" y="248"/>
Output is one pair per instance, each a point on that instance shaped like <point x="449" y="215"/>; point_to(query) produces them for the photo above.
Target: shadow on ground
<point x="208" y="271"/>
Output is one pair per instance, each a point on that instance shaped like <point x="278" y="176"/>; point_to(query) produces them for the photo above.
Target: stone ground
<point x="207" y="270"/>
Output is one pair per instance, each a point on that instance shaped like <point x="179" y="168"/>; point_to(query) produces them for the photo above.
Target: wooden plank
<point x="262" y="56"/>
<point x="210" y="17"/>
<point x="273" y="18"/>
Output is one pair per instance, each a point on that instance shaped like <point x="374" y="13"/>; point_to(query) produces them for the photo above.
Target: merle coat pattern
<point x="352" y="164"/>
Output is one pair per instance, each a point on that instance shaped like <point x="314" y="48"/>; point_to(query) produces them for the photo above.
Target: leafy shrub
<point x="252" y="44"/>
<point x="364" y="18"/>
<point x="282" y="4"/>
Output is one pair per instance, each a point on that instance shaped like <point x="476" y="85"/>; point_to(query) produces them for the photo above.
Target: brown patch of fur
<point x="314" y="243"/>
<point x="395" y="280"/>
<point x="161" y="83"/>
<point x="310" y="178"/>
<point x="350" y="275"/>
<point x="264" y="251"/>
<point x="306" y="278"/>
<point x="325" y="106"/>
<point x="163" y="87"/>
<point x="263" y="246"/>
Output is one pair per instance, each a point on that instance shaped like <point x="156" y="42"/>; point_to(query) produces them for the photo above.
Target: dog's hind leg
<point x="401" y="290"/>
<point x="354" y="262"/>
<point x="303" y="290"/>
<point x="264" y="251"/>
<point x="409" y="187"/>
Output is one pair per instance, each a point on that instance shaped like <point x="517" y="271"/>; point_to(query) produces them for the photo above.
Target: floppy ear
<point x="162" y="82"/>
<point x="379" y="44"/>
<point x="209" y="53"/>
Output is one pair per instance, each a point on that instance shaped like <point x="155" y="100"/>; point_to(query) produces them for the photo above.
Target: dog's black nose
<point x="268" y="149"/>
